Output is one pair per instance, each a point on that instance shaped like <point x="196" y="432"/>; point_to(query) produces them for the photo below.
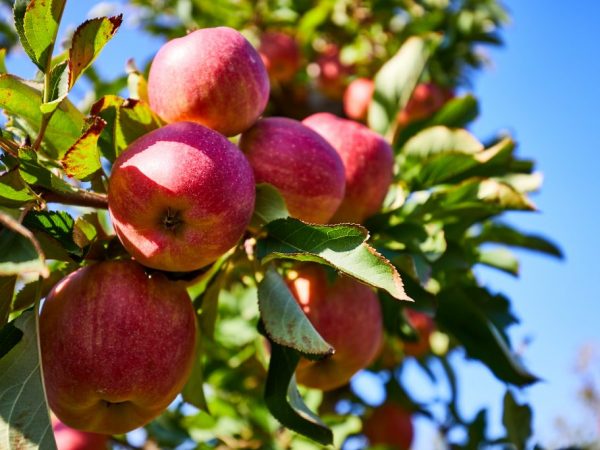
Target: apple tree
<point x="286" y="195"/>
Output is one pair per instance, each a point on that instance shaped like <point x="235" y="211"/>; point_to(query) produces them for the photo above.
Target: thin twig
<point x="78" y="198"/>
<point x="14" y="225"/>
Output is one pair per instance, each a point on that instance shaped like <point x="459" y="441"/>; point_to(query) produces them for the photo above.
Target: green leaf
<point x="505" y="234"/>
<point x="193" y="391"/>
<point x="269" y="205"/>
<point x="9" y="337"/>
<point x="87" y="43"/>
<point x="20" y="251"/>
<point x="280" y="386"/>
<point x="499" y="258"/>
<point x="40" y="26"/>
<point x="7" y="287"/>
<point x="136" y="83"/>
<point x="14" y="192"/>
<point x="126" y="121"/>
<point x="343" y="247"/>
<point x="396" y="80"/>
<point x="58" y="224"/>
<point x="27" y="295"/>
<point x="2" y="61"/>
<point x="59" y="87"/>
<point x="34" y="173"/>
<point x="23" y="101"/>
<point x="440" y="139"/>
<point x="516" y="418"/>
<point x="19" y="11"/>
<point x="84" y="232"/>
<point x="457" y="112"/>
<point x="284" y="321"/>
<point x="82" y="160"/>
<point x="24" y="414"/>
<point x="461" y="316"/>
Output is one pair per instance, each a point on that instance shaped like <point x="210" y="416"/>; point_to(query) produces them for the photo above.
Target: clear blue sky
<point x="544" y="88"/>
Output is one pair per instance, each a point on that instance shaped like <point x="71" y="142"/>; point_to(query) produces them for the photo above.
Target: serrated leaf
<point x="343" y="247"/>
<point x="58" y="224"/>
<point x="19" y="11"/>
<point x="7" y="287"/>
<point x="505" y="234"/>
<point x="84" y="233"/>
<point x="39" y="27"/>
<point x="396" y="80"/>
<point x="82" y="160"/>
<point x="516" y="418"/>
<point x="59" y="87"/>
<point x="27" y="295"/>
<point x="23" y="101"/>
<point x="126" y="121"/>
<point x="87" y="43"/>
<point x="461" y="316"/>
<point x="24" y="414"/>
<point x="280" y="386"/>
<point x="14" y="192"/>
<point x="284" y="321"/>
<point x="35" y="174"/>
<point x="2" y="60"/>
<point x="269" y="205"/>
<point x="440" y="139"/>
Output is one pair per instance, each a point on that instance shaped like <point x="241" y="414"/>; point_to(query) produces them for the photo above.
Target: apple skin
<point x="357" y="98"/>
<point x="347" y="314"/>
<point x="212" y="76"/>
<point x="68" y="438"/>
<point x="424" y="326"/>
<point x="389" y="425"/>
<point x="280" y="54"/>
<point x="117" y="346"/>
<point x="368" y="162"/>
<point x="302" y="165"/>
<point x="180" y="196"/>
<point x="426" y="99"/>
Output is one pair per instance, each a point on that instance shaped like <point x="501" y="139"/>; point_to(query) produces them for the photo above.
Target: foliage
<point x="441" y="219"/>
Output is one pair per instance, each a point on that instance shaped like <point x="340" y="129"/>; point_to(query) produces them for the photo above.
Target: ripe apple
<point x="426" y="99"/>
<point x="424" y="326"/>
<point x="332" y="75"/>
<point x="368" y="161"/>
<point x="280" y="54"/>
<point x="389" y="425"/>
<point x="68" y="438"/>
<point x="347" y="314"/>
<point x="180" y="196"/>
<point x="117" y="346"/>
<point x="357" y="98"/>
<point x="212" y="76"/>
<point x="305" y="169"/>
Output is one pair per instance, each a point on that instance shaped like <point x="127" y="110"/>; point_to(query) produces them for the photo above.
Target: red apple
<point x="347" y="314"/>
<point x="68" y="438"/>
<point x="389" y="425"/>
<point x="368" y="161"/>
<point x="280" y="54"/>
<point x="305" y="169"/>
<point x="426" y="99"/>
<point x="332" y="73"/>
<point x="424" y="326"/>
<point x="117" y="346"/>
<point x="212" y="76"/>
<point x="180" y="196"/>
<point x="357" y="98"/>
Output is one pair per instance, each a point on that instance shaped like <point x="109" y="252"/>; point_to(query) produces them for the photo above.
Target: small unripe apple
<point x="347" y="314"/>
<point x="368" y="162"/>
<point x="68" y="438"/>
<point x="389" y="425"/>
<point x="426" y="99"/>
<point x="212" y="76"/>
<point x="117" y="346"/>
<point x="357" y="98"/>
<point x="305" y="169"/>
<point x="424" y="326"/>
<point x="180" y="196"/>
<point x="280" y="54"/>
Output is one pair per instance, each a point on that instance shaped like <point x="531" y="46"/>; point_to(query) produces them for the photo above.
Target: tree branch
<point x="78" y="198"/>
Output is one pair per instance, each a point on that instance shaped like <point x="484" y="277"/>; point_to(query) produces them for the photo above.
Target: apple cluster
<point x="118" y="338"/>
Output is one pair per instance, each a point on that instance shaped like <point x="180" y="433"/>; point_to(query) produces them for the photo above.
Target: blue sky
<point x="543" y="88"/>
